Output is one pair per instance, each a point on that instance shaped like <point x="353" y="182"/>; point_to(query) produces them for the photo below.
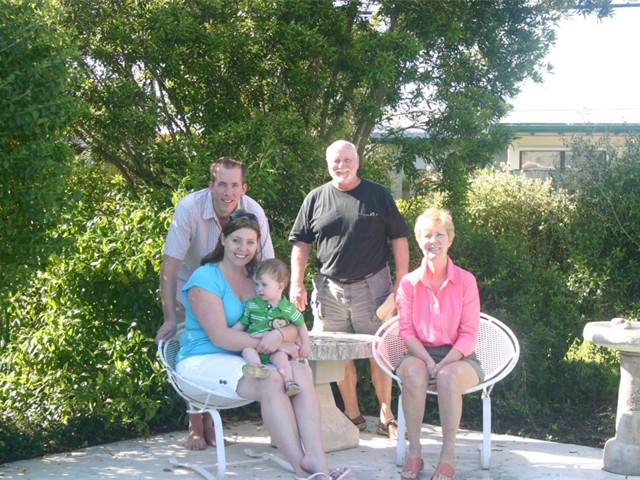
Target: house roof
<point x="560" y="128"/>
<point x="530" y="128"/>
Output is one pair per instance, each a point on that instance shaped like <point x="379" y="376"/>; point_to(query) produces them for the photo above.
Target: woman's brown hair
<point x="237" y="220"/>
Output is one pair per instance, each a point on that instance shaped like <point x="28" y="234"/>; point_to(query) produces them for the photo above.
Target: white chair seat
<point x="201" y="400"/>
<point x="498" y="351"/>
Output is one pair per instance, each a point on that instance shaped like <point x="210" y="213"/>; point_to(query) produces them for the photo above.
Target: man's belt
<point x="349" y="281"/>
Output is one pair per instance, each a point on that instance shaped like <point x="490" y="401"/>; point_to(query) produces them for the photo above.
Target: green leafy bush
<point x="605" y="227"/>
<point x="36" y="110"/>
<point x="81" y="342"/>
<point x="525" y="281"/>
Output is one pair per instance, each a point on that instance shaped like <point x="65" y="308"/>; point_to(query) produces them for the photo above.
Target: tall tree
<point x="173" y="82"/>
<point x="36" y="107"/>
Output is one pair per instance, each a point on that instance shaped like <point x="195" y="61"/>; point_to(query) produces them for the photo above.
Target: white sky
<point x="596" y="74"/>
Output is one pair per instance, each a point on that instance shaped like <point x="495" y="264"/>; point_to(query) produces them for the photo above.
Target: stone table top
<point x="340" y="346"/>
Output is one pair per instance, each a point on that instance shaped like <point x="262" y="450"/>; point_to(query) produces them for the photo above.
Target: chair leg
<point x="192" y="466"/>
<point x="220" y="453"/>
<point x="485" y="454"/>
<point x="401" y="445"/>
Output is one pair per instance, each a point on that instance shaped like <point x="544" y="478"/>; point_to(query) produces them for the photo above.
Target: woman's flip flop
<point x="412" y="468"/>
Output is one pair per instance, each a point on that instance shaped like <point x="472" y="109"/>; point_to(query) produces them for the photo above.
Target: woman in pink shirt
<point x="439" y="309"/>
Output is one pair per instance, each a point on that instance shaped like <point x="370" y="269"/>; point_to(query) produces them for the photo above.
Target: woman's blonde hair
<point x="435" y="216"/>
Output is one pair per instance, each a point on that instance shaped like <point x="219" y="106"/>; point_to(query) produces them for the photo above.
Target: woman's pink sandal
<point x="444" y="469"/>
<point x="339" y="473"/>
<point x="412" y="468"/>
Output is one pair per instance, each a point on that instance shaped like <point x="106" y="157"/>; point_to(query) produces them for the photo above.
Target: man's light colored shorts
<point x="219" y="372"/>
<point x="349" y="308"/>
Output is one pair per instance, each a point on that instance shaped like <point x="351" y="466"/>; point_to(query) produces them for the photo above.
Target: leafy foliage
<point x="164" y="87"/>
<point x="524" y="280"/>
<point x="606" y="226"/>
<point x="172" y="84"/>
<point x="81" y="343"/>
<point x="36" y="108"/>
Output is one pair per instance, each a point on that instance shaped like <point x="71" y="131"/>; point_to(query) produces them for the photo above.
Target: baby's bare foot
<point x="255" y="371"/>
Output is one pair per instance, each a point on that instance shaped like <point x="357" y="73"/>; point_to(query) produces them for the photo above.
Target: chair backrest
<point x="388" y="347"/>
<point x="498" y="349"/>
<point x="168" y="350"/>
<point x="198" y="397"/>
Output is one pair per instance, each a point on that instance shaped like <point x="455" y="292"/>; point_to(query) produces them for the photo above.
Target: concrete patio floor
<point x="513" y="458"/>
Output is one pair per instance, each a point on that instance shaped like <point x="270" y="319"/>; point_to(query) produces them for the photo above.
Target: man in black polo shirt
<point x="356" y="226"/>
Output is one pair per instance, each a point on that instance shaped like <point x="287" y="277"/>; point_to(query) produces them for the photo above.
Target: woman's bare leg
<point x="453" y="380"/>
<point x="414" y="376"/>
<point x="277" y="415"/>
<point x="196" y="438"/>
<point x="307" y="412"/>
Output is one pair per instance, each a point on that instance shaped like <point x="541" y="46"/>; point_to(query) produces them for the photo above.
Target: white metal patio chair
<point x="498" y="351"/>
<point x="201" y="400"/>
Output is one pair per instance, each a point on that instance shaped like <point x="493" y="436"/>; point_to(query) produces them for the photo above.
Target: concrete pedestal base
<point x="338" y="433"/>
<point x="622" y="453"/>
<point x="621" y="457"/>
<point x="329" y="351"/>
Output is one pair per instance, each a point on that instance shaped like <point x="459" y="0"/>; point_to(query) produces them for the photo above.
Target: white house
<point x="538" y="148"/>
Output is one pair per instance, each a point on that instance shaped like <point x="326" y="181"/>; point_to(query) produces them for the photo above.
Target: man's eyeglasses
<point x="242" y="214"/>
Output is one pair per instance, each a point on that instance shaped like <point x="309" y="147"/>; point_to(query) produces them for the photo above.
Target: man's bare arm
<point x="168" y="286"/>
<point x="299" y="257"/>
<point x="401" y="258"/>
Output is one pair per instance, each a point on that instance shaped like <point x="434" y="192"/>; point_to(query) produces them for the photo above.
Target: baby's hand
<point x="304" y="351"/>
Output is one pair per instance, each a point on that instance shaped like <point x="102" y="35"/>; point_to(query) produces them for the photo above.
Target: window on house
<point x="546" y="159"/>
